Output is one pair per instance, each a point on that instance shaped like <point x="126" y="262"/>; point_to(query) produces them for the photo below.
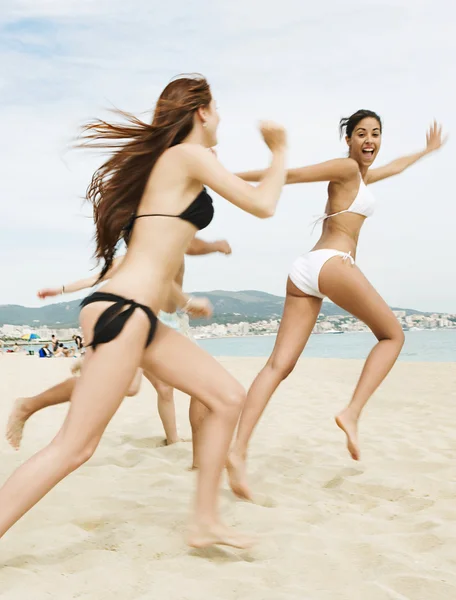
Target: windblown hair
<point x="348" y="124"/>
<point x="118" y="185"/>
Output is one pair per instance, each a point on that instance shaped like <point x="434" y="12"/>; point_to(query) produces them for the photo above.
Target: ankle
<point x="239" y="451"/>
<point x="172" y="440"/>
<point x="353" y="411"/>
<point x="24" y="405"/>
<point x="205" y="520"/>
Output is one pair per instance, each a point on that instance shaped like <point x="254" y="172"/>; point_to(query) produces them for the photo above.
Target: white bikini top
<point x="363" y="204"/>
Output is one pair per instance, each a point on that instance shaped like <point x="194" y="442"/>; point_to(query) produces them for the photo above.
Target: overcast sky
<point x="304" y="64"/>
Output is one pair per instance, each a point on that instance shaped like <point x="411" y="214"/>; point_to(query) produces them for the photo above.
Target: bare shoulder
<point x="350" y="168"/>
<point x="188" y="151"/>
<point x="188" y="157"/>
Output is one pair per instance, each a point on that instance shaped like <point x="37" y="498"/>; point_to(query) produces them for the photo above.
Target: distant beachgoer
<point x="329" y="270"/>
<point x="44" y="352"/>
<point x="54" y="344"/>
<point x="155" y="180"/>
<point x="78" y="341"/>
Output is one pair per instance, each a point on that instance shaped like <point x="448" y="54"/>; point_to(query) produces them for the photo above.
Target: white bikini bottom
<point x="177" y="320"/>
<point x="305" y="271"/>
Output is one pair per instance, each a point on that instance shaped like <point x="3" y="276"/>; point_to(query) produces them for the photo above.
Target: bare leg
<point x="166" y="407"/>
<point x="299" y="317"/>
<point x="105" y="379"/>
<point x="347" y="287"/>
<point x="177" y="361"/>
<point x="24" y="408"/>
<point x="197" y="413"/>
<point x="135" y="385"/>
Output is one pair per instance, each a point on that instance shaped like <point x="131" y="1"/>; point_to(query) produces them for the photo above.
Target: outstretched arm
<point x="339" y="169"/>
<point x="199" y="247"/>
<point x="260" y="201"/>
<point x="81" y="284"/>
<point x="434" y="141"/>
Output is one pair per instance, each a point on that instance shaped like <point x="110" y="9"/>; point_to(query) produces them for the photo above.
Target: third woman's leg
<point x="299" y="316"/>
<point x="176" y="360"/>
<point x="347" y="287"/>
<point x="197" y="413"/>
<point x="166" y="407"/>
<point x="24" y="408"/>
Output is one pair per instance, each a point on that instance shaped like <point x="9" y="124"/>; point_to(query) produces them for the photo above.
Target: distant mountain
<point x="246" y="305"/>
<point x="60" y="315"/>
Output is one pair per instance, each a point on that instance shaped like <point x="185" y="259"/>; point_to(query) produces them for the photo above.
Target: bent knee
<point x="395" y="334"/>
<point x="233" y="397"/>
<point x="133" y="390"/>
<point x="280" y="368"/>
<point x="73" y="455"/>
<point x="400" y="337"/>
<point x="165" y="392"/>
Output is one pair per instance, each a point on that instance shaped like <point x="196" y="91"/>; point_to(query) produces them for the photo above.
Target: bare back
<point x="157" y="246"/>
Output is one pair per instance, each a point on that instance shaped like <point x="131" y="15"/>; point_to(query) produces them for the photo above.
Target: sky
<point x="306" y="65"/>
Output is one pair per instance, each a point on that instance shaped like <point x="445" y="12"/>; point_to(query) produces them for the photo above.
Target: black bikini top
<point x="199" y="213"/>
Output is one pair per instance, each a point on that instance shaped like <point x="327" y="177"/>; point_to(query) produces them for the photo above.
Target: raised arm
<point x="339" y="169"/>
<point x="261" y="200"/>
<point x="434" y="141"/>
<point x="199" y="247"/>
<point x="81" y="284"/>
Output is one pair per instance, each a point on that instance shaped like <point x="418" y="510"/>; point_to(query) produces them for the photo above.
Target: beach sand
<point x="329" y="528"/>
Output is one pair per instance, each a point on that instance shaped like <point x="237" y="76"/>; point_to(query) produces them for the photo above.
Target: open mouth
<point x="368" y="152"/>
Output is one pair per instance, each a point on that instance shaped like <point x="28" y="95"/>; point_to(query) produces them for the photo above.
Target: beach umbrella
<point x="30" y="336"/>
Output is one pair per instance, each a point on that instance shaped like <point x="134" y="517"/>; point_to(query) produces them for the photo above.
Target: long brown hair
<point x="118" y="185"/>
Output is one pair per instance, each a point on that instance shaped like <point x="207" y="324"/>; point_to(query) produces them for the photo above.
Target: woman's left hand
<point x="434" y="139"/>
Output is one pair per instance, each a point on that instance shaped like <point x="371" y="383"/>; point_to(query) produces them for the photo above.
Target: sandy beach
<point x="329" y="528"/>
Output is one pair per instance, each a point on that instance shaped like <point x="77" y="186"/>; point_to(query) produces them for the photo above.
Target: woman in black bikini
<point x="154" y="179"/>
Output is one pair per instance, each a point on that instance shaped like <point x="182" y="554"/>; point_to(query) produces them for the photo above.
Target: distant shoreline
<point x="10" y="344"/>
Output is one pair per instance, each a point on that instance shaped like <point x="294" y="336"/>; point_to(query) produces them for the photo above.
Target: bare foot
<point x="175" y="441"/>
<point x="16" y="422"/>
<point x="237" y="477"/>
<point x="170" y="442"/>
<point x="349" y="426"/>
<point x="204" y="536"/>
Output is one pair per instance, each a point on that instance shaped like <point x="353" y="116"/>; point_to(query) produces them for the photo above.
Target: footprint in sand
<point x="420" y="588"/>
<point x="148" y="442"/>
<point x="339" y="479"/>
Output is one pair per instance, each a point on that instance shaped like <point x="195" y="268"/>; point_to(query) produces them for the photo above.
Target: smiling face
<point x="365" y="141"/>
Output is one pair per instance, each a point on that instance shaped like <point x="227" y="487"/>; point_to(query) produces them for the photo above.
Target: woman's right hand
<point x="47" y="292"/>
<point x="274" y="135"/>
<point x="199" y="308"/>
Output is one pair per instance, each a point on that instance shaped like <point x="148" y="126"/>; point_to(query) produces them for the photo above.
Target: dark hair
<point x="118" y="185"/>
<point x="348" y="124"/>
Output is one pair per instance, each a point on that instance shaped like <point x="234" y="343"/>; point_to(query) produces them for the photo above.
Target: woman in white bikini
<point x="329" y="270"/>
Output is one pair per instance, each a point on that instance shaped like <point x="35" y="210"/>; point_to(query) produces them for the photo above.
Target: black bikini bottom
<point x="112" y="320"/>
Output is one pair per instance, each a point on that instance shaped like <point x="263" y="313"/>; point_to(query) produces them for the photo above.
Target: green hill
<point x="246" y="305"/>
